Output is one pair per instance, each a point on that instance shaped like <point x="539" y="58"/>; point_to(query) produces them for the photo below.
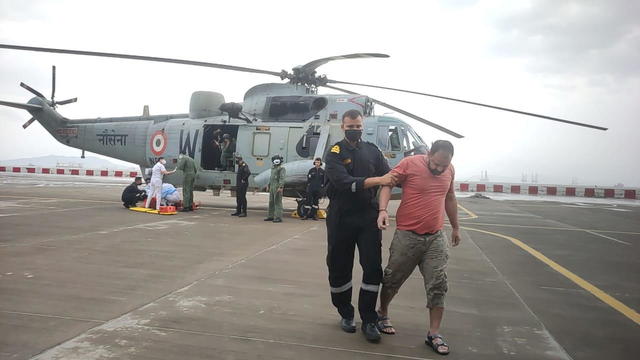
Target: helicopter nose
<point x="262" y="179"/>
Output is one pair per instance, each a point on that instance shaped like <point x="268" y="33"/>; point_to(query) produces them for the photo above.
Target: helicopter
<point x="288" y="118"/>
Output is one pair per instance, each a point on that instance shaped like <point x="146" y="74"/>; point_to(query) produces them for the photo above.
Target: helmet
<point x="277" y="159"/>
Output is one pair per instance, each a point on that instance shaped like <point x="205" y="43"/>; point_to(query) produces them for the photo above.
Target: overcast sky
<point x="576" y="60"/>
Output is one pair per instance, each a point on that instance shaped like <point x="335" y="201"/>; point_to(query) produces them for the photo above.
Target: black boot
<point x="371" y="332"/>
<point x="244" y="214"/>
<point x="348" y="325"/>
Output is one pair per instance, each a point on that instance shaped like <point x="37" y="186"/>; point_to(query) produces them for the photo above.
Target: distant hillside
<point x="88" y="162"/>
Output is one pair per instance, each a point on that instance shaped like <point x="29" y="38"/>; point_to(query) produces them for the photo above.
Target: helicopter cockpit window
<point x="383" y="138"/>
<point x="412" y="143"/>
<point x="295" y="108"/>
<point x="394" y="138"/>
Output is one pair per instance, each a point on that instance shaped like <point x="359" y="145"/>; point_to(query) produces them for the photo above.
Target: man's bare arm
<point x="451" y="208"/>
<point x="385" y="195"/>
<point x="383" y="214"/>
<point x="388" y="179"/>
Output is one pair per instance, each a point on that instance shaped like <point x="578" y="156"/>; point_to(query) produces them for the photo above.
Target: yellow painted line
<point x="471" y="214"/>
<point x="557" y="228"/>
<point x="604" y="297"/>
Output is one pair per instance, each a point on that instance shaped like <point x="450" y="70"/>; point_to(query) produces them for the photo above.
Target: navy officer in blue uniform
<point x="355" y="169"/>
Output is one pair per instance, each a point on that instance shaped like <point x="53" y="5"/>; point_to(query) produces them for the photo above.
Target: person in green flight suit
<point x="189" y="170"/>
<point x="276" y="186"/>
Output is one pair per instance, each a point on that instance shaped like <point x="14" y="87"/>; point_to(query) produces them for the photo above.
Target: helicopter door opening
<point x="213" y="147"/>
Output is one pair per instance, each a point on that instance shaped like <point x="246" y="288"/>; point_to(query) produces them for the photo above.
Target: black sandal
<point x="432" y="341"/>
<point x="384" y="324"/>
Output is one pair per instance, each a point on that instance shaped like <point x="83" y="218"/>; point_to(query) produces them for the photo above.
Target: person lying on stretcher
<point x="170" y="195"/>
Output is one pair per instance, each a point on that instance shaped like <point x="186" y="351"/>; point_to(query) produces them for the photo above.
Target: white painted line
<point x="608" y="237"/>
<point x="52" y="316"/>
<point x="559" y="288"/>
<point x="52" y="211"/>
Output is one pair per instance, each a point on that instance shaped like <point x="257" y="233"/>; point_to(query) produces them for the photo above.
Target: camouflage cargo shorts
<point x="429" y="252"/>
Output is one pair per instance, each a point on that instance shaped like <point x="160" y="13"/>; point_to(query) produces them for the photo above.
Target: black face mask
<point x="353" y="135"/>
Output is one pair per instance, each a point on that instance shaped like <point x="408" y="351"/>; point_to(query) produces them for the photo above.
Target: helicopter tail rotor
<point x="53" y="83"/>
<point x="52" y="102"/>
<point x="25" y="125"/>
<point x="32" y="90"/>
<point x="55" y="103"/>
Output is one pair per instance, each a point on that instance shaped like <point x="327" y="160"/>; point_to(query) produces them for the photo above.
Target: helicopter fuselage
<point x="299" y="127"/>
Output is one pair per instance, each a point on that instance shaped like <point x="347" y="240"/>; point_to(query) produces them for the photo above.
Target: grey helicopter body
<point x="280" y="119"/>
<point x="290" y="119"/>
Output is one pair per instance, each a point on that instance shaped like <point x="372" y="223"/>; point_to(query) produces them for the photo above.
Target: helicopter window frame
<point x="382" y="137"/>
<point x="258" y="137"/>
<point x="406" y="144"/>
<point x="394" y="131"/>
<point x="413" y="140"/>
<point x="294" y="108"/>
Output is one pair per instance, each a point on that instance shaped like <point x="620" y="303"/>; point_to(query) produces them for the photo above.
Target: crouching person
<point x="132" y="194"/>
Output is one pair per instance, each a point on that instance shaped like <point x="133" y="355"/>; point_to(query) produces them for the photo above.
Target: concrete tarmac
<point x="83" y="278"/>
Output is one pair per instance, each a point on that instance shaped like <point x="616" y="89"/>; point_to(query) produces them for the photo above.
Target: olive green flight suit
<point x="226" y="158"/>
<point x="189" y="170"/>
<point x="278" y="174"/>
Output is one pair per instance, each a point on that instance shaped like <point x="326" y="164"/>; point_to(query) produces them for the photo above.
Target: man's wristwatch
<point x="382" y="210"/>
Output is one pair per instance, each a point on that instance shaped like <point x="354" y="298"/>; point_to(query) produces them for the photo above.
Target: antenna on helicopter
<point x="51" y="102"/>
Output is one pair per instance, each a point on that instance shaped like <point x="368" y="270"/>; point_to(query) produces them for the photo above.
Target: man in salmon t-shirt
<point x="427" y="193"/>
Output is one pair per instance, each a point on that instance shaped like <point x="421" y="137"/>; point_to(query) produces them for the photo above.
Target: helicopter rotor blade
<point x="53" y="84"/>
<point x="139" y="57"/>
<point x="32" y="90"/>
<point x="403" y="112"/>
<point x="472" y="103"/>
<point x="68" y="101"/>
<point x="312" y="65"/>
<point x="29" y="122"/>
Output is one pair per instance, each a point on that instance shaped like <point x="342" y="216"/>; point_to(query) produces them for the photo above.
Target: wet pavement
<point x="83" y="278"/>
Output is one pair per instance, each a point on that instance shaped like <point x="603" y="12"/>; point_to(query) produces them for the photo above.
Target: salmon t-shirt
<point x="422" y="204"/>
